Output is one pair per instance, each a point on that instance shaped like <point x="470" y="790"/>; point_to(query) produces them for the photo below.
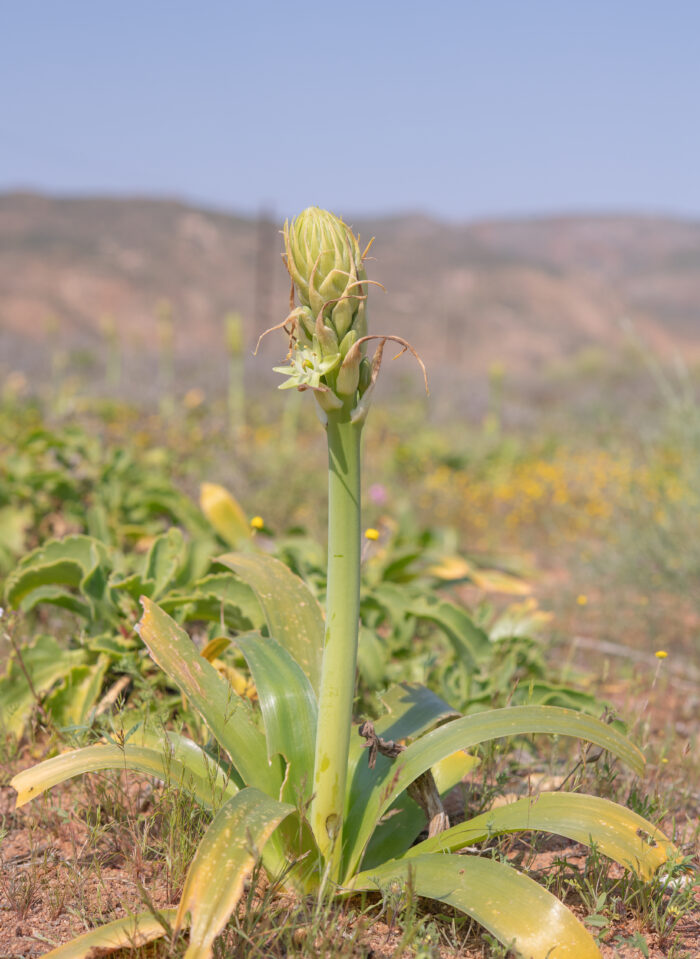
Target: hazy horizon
<point x="210" y="206"/>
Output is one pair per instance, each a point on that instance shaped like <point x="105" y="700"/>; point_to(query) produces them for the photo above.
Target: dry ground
<point x="100" y="847"/>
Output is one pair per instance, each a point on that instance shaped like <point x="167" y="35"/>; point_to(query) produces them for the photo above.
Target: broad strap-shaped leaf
<point x="289" y="710"/>
<point x="464" y="733"/>
<point x="165" y="756"/>
<point x="405" y="819"/>
<point x="47" y="663"/>
<point x="293" y="615"/>
<point x="224" y="711"/>
<point x="513" y="907"/>
<point x="615" y="831"/>
<point x="225" y="858"/>
<point x="128" y="933"/>
<point x="412" y="709"/>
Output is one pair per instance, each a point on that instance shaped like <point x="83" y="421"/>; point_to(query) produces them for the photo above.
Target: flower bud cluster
<point x="325" y="263"/>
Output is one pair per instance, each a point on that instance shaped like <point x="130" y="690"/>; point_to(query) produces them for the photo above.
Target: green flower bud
<point x="348" y="378"/>
<point x="348" y="340"/>
<point x="365" y="375"/>
<point x="326" y="338"/>
<point x="325" y="263"/>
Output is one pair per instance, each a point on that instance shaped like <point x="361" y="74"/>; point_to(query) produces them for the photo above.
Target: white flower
<point x="306" y="367"/>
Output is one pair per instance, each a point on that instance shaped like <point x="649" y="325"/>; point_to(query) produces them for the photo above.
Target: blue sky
<point x="459" y="109"/>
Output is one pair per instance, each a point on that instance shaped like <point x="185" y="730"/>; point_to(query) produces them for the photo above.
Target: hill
<point x="523" y="292"/>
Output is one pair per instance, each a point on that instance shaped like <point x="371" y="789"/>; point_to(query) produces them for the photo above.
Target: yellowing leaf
<point x="223" y="861"/>
<point x="513" y="907"/>
<point x="615" y="831"/>
<point x="227" y="716"/>
<point x="452" y="769"/>
<point x="451" y="568"/>
<point x="131" y="932"/>
<point x="242" y="684"/>
<point x="294" y="617"/>
<point x="495" y="581"/>
<point x="215" y="647"/>
<point x="164" y="755"/>
<point x="225" y="514"/>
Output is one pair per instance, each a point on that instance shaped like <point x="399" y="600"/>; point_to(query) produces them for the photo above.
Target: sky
<point x="458" y="109"/>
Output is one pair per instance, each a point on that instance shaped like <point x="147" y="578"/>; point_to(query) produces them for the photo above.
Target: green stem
<point x="340" y="651"/>
<point x="236" y="396"/>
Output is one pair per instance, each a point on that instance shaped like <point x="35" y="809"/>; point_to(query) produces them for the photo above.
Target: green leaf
<point x="164" y="559"/>
<point x="289" y="709"/>
<point x="133" y="585"/>
<point x="392" y="777"/>
<point x="398" y="569"/>
<point x="411" y="710"/>
<point x="161" y="568"/>
<point x="218" y="597"/>
<point x="293" y="615"/>
<point x="542" y="693"/>
<point x="166" y="756"/>
<point x="615" y="831"/>
<point x="469" y="642"/>
<point x="130" y="932"/>
<point x="514" y="908"/>
<point x="78" y="562"/>
<point x="405" y="819"/>
<point x="224" y="859"/>
<point x="71" y="703"/>
<point x="114" y="644"/>
<point x="46" y="663"/>
<point x="164" y="499"/>
<point x="226" y="713"/>
<point x="372" y="658"/>
<point x="57" y="596"/>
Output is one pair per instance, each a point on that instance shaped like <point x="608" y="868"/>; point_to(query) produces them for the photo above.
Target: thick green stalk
<point x="340" y="651"/>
